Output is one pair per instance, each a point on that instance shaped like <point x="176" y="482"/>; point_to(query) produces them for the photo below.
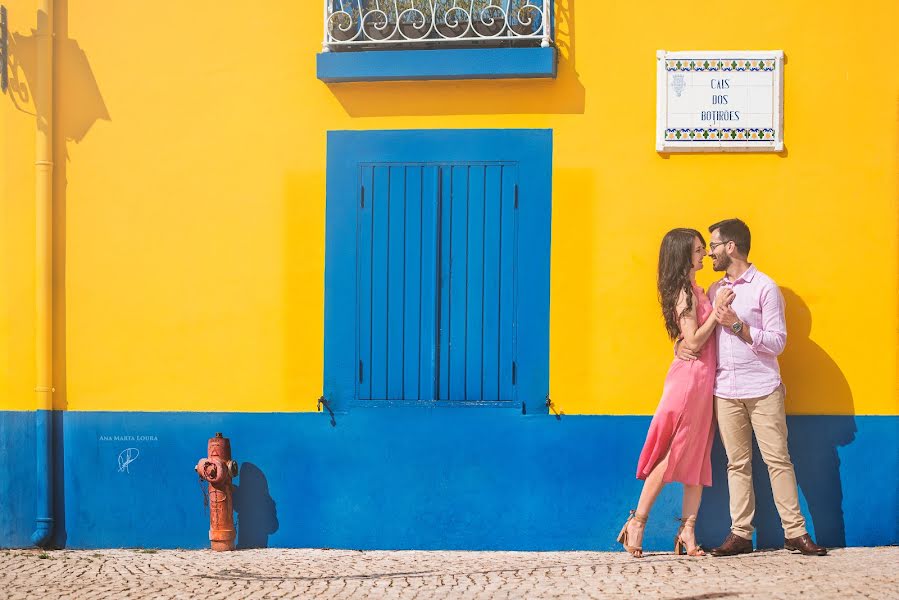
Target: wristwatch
<point x="737" y="327"/>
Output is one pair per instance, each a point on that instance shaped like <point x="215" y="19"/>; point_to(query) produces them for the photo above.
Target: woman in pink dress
<point x="679" y="442"/>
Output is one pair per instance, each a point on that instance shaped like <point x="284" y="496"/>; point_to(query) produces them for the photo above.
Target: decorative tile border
<point x="720" y="64"/>
<point x="719" y="135"/>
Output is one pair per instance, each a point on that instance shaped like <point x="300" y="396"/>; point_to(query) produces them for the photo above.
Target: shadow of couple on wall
<point x="814" y="383"/>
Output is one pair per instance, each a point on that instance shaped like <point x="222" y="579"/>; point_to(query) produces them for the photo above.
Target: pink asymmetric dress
<point x="683" y="421"/>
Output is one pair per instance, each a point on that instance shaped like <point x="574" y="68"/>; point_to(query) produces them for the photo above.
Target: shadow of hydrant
<point x="257" y="517"/>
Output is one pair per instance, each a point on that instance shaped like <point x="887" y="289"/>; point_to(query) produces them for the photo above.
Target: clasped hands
<point x="722" y="312"/>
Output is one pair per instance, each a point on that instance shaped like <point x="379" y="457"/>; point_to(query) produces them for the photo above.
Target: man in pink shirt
<point x="749" y="393"/>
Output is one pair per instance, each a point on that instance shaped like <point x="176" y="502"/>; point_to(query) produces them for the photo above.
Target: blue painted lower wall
<point x="394" y="478"/>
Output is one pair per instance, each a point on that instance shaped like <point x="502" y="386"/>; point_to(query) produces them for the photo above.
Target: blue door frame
<point x="348" y="151"/>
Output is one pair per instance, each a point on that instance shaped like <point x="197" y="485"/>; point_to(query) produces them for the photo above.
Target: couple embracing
<point x="727" y="343"/>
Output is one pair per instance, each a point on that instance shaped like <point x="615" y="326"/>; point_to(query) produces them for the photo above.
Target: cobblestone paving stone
<point x="275" y="573"/>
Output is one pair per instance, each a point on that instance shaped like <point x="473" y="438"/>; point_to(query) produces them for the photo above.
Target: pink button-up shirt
<point x="751" y="370"/>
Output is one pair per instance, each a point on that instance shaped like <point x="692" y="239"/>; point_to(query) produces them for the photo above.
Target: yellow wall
<point x="190" y="199"/>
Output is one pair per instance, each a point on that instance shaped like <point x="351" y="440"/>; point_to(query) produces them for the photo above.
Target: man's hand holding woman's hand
<point x="721" y="304"/>
<point x="724" y="314"/>
<point x="724" y="297"/>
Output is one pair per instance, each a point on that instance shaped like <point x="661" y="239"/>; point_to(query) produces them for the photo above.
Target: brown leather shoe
<point x="804" y="544"/>
<point x="733" y="545"/>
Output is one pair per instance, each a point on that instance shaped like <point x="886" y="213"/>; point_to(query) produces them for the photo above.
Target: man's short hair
<point x="736" y="231"/>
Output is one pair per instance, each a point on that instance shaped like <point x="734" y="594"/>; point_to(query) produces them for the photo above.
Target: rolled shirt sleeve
<point x="772" y="336"/>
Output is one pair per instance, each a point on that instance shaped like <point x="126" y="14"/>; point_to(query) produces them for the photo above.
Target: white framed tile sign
<point x="719" y="101"/>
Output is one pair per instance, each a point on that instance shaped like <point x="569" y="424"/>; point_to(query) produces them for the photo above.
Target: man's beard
<point x="721" y="263"/>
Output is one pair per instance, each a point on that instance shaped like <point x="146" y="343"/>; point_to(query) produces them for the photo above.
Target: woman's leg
<point x="652" y="486"/>
<point x="689" y="511"/>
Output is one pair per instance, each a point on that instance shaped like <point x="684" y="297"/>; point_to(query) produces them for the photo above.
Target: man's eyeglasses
<point x="713" y="245"/>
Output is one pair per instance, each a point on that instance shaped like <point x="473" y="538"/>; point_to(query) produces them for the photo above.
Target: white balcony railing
<point x="433" y="23"/>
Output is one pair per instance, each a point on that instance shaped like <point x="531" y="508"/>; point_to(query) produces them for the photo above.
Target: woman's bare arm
<point x="695" y="335"/>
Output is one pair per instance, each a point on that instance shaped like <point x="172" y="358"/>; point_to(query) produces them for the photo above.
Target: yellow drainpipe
<point x="43" y="100"/>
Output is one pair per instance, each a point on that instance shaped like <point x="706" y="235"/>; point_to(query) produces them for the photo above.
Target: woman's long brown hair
<point x="675" y="262"/>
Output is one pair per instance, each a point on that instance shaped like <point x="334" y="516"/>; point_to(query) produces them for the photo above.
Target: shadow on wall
<point x="816" y="384"/>
<point x="257" y="517"/>
<point x="563" y="95"/>
<point x="77" y="104"/>
<point x="73" y="80"/>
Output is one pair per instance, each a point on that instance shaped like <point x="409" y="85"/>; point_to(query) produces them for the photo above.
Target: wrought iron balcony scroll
<point x="354" y="24"/>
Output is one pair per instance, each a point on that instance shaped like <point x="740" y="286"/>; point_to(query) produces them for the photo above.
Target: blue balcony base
<point x="464" y="63"/>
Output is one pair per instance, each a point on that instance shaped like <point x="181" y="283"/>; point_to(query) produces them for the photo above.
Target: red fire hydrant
<point x="218" y="469"/>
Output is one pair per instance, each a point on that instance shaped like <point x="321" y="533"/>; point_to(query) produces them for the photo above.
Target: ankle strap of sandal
<point x="638" y="517"/>
<point x="691" y="520"/>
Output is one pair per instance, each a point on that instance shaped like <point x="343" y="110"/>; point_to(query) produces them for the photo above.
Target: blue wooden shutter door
<point x="397" y="282"/>
<point x="477" y="334"/>
<point x="436" y="267"/>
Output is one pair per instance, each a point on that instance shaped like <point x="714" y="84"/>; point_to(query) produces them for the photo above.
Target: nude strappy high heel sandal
<point x="635" y="551"/>
<point x="680" y="546"/>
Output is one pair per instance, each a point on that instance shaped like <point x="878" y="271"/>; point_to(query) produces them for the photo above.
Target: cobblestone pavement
<point x="272" y="573"/>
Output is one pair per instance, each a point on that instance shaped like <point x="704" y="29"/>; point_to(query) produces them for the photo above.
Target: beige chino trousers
<point x="737" y="420"/>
